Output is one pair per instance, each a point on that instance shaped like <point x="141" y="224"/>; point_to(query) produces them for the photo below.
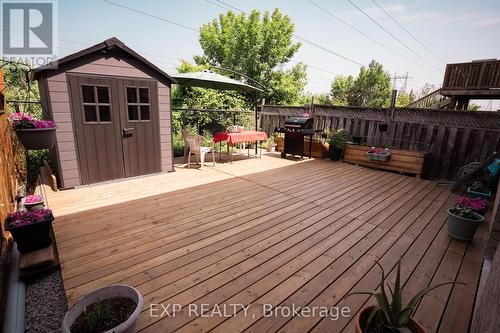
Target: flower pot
<point x="117" y="290"/>
<point x="34" y="205"/>
<point x="462" y="228"/>
<point x="37" y="138"/>
<point x="271" y="148"/>
<point x="335" y="154"/>
<point x="475" y="194"/>
<point x="356" y="140"/>
<point x="378" y="157"/>
<point x="31" y="237"/>
<point x="383" y="127"/>
<point x="412" y="325"/>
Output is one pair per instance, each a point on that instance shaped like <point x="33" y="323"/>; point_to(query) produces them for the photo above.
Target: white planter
<point x="116" y="290"/>
<point x="271" y="148"/>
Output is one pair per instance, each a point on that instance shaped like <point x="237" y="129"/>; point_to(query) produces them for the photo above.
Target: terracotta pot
<point x="116" y="290"/>
<point x="412" y="324"/>
<point x="37" y="138"/>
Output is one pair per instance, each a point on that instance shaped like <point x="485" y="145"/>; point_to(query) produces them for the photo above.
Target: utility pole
<point x="403" y="78"/>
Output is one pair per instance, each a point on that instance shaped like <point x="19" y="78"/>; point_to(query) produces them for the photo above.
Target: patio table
<point x="233" y="138"/>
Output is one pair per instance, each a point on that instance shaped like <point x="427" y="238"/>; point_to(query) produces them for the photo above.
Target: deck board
<point x="267" y="231"/>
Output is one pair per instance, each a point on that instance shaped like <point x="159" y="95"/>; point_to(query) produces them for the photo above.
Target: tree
<point x="200" y="98"/>
<point x="404" y="98"/>
<point x="371" y="88"/>
<point x="257" y="45"/>
<point x="427" y="89"/>
<point x="342" y="90"/>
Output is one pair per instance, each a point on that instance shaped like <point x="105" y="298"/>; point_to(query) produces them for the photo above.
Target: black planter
<point x="356" y="140"/>
<point x="383" y="127"/>
<point x="335" y="154"/>
<point x="37" y="138"/>
<point x="32" y="237"/>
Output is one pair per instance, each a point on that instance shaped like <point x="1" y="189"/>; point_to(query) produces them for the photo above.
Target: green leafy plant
<point x="392" y="316"/>
<point x="479" y="186"/>
<point x="465" y="212"/>
<point x="338" y="138"/>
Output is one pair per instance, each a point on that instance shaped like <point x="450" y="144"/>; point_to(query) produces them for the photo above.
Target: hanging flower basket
<point x="31" y="230"/>
<point x="34" y="134"/>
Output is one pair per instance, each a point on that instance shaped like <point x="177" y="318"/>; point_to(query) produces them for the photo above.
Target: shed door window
<point x="96" y="104"/>
<point x="138" y="104"/>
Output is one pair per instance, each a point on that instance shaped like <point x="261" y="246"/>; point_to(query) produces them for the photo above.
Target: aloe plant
<point x="393" y="316"/>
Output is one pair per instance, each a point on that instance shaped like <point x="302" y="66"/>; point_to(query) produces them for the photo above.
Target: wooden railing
<point x="472" y="75"/>
<point x="449" y="138"/>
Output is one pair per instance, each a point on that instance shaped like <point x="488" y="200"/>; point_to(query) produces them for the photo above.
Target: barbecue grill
<point x="296" y="128"/>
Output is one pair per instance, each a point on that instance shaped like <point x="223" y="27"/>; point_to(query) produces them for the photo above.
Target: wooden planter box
<point x="318" y="149"/>
<point x="400" y="160"/>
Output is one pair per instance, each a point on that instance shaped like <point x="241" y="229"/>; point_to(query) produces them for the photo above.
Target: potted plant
<point x="337" y="141"/>
<point x="114" y="308"/>
<point x="271" y="146"/>
<point x="463" y="222"/>
<point x="478" y="205"/>
<point x="391" y="316"/>
<point x="30" y="229"/>
<point x="479" y="189"/>
<point x="379" y="154"/>
<point x="33" y="202"/>
<point x="382" y="127"/>
<point x="33" y="133"/>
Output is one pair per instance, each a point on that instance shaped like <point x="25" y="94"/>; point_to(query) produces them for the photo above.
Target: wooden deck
<point x="266" y="231"/>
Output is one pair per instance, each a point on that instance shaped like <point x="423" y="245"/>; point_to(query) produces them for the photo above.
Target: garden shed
<point x="112" y="108"/>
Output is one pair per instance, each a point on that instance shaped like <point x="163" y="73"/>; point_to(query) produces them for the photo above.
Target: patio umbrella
<point x="212" y="80"/>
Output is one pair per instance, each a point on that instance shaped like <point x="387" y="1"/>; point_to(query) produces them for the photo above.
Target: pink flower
<point x="33" y="199"/>
<point x="21" y="120"/>
<point x="476" y="204"/>
<point x="19" y="219"/>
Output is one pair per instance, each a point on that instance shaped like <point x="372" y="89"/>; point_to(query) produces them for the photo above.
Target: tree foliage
<point x="258" y="46"/>
<point x="200" y="98"/>
<point x="404" y="98"/>
<point x="371" y="88"/>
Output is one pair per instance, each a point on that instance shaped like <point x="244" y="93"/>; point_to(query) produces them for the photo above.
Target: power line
<point x="151" y="15"/>
<point x="408" y="32"/>
<point x="301" y="38"/>
<point x="392" y="35"/>
<point x="362" y="33"/>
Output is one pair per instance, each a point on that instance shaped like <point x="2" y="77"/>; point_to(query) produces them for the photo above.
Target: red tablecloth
<point x="239" y="137"/>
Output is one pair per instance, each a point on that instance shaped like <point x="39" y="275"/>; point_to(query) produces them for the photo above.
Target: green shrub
<point x="34" y="163"/>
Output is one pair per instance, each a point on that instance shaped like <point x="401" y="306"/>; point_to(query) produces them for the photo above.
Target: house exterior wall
<point x="58" y="101"/>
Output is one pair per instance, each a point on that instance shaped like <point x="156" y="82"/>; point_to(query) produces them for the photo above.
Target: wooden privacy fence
<point x="8" y="180"/>
<point x="449" y="138"/>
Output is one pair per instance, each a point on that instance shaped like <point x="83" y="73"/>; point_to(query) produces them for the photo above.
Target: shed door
<point x="139" y="115"/>
<point x="96" y="115"/>
<point x="117" y="127"/>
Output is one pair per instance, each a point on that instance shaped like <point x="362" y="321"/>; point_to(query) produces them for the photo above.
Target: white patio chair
<point x="194" y="144"/>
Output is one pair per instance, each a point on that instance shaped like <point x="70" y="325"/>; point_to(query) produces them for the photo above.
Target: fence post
<point x="392" y="107"/>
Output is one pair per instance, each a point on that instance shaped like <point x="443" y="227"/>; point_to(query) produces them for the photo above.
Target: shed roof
<point x="107" y="45"/>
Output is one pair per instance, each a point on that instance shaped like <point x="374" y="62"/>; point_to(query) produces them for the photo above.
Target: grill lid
<point x="299" y="122"/>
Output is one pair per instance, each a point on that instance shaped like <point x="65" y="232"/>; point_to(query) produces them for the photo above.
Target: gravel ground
<point x="45" y="303"/>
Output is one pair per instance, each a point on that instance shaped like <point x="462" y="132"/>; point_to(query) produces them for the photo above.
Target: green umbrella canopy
<point x="212" y="80"/>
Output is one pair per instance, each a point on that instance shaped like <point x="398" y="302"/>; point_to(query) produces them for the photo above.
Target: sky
<point x="445" y="31"/>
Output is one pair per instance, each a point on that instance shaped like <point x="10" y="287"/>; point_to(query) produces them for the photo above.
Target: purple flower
<point x="33" y="199"/>
<point x="476" y="204"/>
<point x="21" y="120"/>
<point x="19" y="219"/>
